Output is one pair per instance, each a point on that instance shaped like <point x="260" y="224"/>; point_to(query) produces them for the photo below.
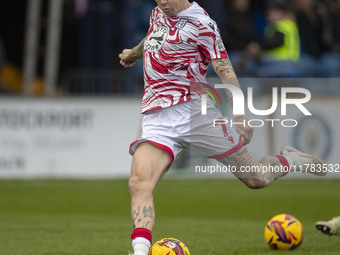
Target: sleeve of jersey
<point x="209" y="40"/>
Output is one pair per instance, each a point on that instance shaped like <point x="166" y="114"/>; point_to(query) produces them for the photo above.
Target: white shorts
<point x="177" y="127"/>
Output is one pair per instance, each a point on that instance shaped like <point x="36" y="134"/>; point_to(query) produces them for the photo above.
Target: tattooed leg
<point x="255" y="174"/>
<point x="143" y="218"/>
<point x="149" y="164"/>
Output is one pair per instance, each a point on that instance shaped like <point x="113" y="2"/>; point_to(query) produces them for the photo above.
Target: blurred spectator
<point x="240" y="31"/>
<point x="330" y="14"/>
<point x="309" y="24"/>
<point x="279" y="49"/>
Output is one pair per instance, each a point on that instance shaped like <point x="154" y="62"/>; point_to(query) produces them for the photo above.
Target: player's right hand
<point x="126" y="58"/>
<point x="245" y="131"/>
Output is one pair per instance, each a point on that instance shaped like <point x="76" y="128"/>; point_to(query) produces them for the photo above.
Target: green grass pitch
<point x="213" y="217"/>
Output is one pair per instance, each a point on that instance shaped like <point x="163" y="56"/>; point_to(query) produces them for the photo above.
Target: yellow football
<point x="169" y="246"/>
<point x="283" y="232"/>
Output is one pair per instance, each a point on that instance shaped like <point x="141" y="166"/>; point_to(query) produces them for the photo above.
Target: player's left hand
<point x="245" y="131"/>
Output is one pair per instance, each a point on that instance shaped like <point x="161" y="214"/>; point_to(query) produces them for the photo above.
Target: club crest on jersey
<point x="181" y="23"/>
<point x="156" y="39"/>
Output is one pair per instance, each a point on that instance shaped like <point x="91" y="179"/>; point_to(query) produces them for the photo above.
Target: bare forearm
<point x="225" y="71"/>
<point x="137" y="52"/>
<point x="227" y="75"/>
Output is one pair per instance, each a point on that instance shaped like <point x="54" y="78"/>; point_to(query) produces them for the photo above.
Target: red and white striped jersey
<point x="177" y="51"/>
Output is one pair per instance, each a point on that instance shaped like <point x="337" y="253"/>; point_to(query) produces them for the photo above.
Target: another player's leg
<point x="149" y="164"/>
<point x="331" y="227"/>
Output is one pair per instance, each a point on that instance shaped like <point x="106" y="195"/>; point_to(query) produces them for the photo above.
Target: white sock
<point x="141" y="246"/>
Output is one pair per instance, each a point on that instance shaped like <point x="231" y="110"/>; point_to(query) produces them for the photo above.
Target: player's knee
<point x="134" y="184"/>
<point x="256" y="183"/>
<point x="137" y="185"/>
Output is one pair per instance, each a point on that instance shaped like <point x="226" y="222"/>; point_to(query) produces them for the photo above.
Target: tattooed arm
<point x="225" y="71"/>
<point x="128" y="57"/>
